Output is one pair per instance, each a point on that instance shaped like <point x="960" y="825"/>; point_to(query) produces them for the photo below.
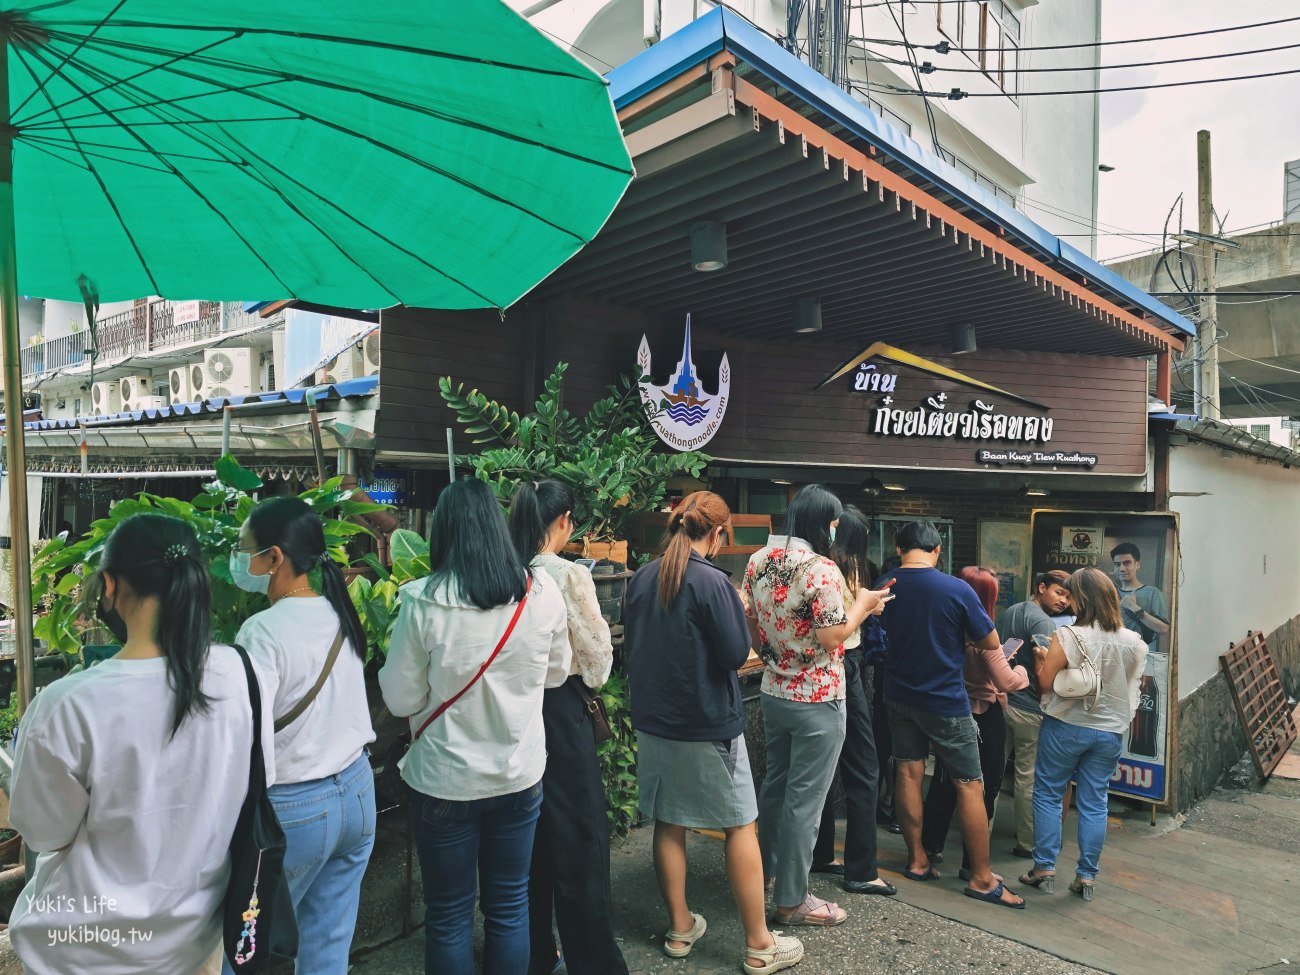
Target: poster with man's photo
<point x="1140" y="554"/>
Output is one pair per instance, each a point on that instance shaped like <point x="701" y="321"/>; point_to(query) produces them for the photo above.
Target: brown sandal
<point x="807" y="914"/>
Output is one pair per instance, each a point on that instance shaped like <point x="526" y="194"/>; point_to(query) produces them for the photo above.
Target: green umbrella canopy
<point x="436" y="153"/>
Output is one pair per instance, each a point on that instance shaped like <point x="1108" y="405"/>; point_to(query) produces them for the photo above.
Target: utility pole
<point x="1207" y="331"/>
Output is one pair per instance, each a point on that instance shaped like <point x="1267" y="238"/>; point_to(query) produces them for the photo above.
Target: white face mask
<point x="243" y="578"/>
<point x="832" y="534"/>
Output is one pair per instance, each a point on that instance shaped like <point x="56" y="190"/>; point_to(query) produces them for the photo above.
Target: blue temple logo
<point x="683" y="413"/>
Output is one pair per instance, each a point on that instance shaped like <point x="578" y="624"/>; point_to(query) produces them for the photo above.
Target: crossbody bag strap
<point x="438" y="711"/>
<point x="257" y="760"/>
<point x="297" y="710"/>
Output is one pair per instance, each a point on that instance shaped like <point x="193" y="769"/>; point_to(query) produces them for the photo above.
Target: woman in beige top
<point x="570" y="873"/>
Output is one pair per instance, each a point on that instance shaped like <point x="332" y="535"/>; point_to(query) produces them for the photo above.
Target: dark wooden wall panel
<point x="1097" y="404"/>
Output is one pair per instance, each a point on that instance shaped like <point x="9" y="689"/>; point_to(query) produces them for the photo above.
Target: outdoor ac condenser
<point x="133" y="389"/>
<point x="105" y="399"/>
<point x="180" y="384"/>
<point x="227" y="372"/>
<point x="148" y="403"/>
<point x="370" y="354"/>
<point x="350" y="364"/>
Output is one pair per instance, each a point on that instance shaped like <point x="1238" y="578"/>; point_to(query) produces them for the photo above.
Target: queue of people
<point x="129" y="777"/>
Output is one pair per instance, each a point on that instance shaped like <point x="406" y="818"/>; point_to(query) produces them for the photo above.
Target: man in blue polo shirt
<point x="927" y="626"/>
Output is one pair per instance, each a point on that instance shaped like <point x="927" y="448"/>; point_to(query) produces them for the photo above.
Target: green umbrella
<point x="437" y="153"/>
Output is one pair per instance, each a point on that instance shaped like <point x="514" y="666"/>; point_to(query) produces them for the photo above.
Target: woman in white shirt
<point x="570" y="871"/>
<point x="1083" y="737"/>
<point x="309" y="649"/>
<point x="128" y="777"/>
<point x="473" y="647"/>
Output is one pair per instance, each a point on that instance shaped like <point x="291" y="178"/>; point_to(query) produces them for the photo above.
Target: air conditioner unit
<point x="349" y="364"/>
<point x="180" y="384"/>
<point x="266" y="372"/>
<point x="150" y="403"/>
<point x="370" y="354"/>
<point x="227" y="372"/>
<point x="133" y="389"/>
<point x="105" y="399"/>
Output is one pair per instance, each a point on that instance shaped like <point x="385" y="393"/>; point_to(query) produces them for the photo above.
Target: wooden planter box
<point x="615" y="551"/>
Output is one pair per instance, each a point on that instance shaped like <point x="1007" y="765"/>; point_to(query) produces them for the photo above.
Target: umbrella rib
<point x="589" y="76"/>
<point x="115" y="50"/>
<point x="174" y="56"/>
<point x="53" y="140"/>
<point x="184" y="180"/>
<point x="63" y="159"/>
<point x="248" y="168"/>
<point x="82" y="42"/>
<point x="98" y="179"/>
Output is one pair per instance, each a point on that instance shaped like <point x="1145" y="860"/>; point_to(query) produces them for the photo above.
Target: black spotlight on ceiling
<point x="963" y="339"/>
<point x="708" y="245"/>
<point x="873" y="487"/>
<point x="807" y="315"/>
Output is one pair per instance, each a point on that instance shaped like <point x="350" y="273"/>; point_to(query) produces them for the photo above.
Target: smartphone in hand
<point x="1011" y="646"/>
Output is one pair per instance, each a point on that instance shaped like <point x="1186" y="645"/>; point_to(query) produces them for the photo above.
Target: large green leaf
<point x="233" y="475"/>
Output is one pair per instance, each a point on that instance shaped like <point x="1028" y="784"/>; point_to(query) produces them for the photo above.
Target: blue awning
<point x="722" y="30"/>
<point x="365" y="386"/>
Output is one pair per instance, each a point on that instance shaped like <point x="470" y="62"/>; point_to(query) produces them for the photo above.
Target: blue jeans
<point x="1066" y="750"/>
<point x="463" y="845"/>
<point x="329" y="828"/>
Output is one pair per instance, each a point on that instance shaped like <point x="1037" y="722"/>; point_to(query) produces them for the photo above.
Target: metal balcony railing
<point x="148" y="328"/>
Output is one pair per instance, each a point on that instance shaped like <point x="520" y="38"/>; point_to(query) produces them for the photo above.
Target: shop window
<point x="882" y="538"/>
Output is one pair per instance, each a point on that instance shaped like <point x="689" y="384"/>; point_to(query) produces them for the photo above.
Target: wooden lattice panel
<point x="1261" y="701"/>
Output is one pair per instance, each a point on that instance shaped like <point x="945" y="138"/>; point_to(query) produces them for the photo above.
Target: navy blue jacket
<point x="682" y="661"/>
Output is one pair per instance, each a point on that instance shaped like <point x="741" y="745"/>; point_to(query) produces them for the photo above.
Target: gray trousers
<point x="803" y="746"/>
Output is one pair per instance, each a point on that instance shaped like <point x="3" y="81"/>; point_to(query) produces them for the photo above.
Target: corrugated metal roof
<point x="365" y="386"/>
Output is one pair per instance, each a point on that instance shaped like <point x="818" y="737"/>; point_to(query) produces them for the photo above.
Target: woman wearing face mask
<point x="309" y="649"/>
<point x="570" y="871"/>
<point x="128" y="777"/>
<point x="799" y="617"/>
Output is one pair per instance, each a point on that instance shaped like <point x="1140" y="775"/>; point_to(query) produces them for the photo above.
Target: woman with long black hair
<point x="570" y="870"/>
<point x="128" y="777"/>
<point x="473" y="648"/>
<point x="859" y="765"/>
<point x="309" y="649"/>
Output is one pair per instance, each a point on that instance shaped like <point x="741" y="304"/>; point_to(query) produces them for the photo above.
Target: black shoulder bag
<point x="257" y="913"/>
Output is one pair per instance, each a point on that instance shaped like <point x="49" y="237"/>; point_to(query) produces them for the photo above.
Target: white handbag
<point x="1083" y="681"/>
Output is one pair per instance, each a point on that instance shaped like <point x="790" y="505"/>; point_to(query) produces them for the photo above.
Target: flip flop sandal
<point x="806" y="914"/>
<point x="698" y="927"/>
<point x="1045" y="882"/>
<point x="928" y="874"/>
<point x="786" y="952"/>
<point x="993" y="896"/>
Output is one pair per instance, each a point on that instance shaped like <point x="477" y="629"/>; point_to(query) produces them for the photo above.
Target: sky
<point x="1150" y="136"/>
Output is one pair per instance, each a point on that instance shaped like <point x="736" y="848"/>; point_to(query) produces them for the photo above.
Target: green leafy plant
<point x="377" y="601"/>
<point x="61" y="567"/>
<point x="611" y="456"/>
<point x="618" y="757"/>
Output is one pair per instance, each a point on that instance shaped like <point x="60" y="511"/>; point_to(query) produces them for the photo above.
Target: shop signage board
<point x="386" y="486"/>
<point x="1000" y="410"/>
<point x="683" y="413"/>
<point x="1140" y="554"/>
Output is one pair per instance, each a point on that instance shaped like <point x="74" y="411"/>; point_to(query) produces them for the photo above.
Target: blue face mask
<point x="243" y="578"/>
<point x="832" y="534"/>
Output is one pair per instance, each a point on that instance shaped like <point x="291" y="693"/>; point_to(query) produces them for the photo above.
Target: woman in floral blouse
<point x="799" y="617"/>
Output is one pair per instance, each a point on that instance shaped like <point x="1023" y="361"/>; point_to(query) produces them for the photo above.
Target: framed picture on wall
<point x="1005" y="548"/>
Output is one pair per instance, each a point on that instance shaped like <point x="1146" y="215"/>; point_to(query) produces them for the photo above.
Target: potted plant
<point x="610" y="456"/>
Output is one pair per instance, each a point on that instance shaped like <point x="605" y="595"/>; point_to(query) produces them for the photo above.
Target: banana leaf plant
<point x="62" y="566"/>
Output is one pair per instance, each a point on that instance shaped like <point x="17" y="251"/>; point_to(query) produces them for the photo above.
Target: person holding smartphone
<point x="988" y="676"/>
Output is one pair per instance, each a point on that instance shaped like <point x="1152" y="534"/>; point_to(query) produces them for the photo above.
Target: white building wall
<point x="1271" y="428"/>
<point x="1043" y="151"/>
<point x="1240" y="553"/>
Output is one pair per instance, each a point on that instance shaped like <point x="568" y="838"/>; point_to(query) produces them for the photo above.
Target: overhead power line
<point x="957" y="94"/>
<point x="943" y="47"/>
<point x="928" y="67"/>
